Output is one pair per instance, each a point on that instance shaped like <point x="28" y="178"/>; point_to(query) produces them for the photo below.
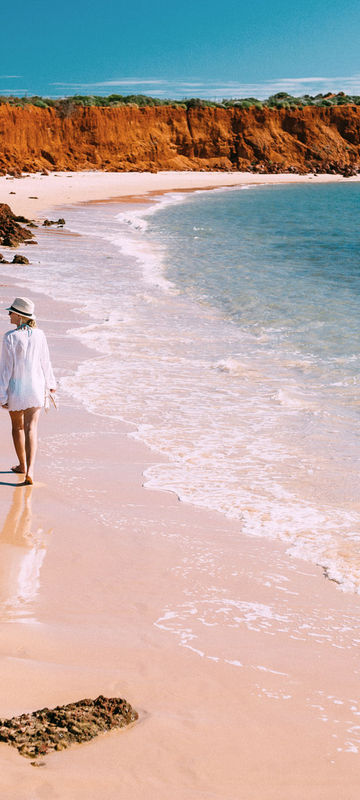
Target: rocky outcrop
<point x="59" y="222"/>
<point x="11" y="233"/>
<point x="36" y="734"/>
<point x="132" y="138"/>
<point x="18" y="259"/>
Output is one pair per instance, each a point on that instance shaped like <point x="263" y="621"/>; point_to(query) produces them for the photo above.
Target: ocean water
<point x="226" y="328"/>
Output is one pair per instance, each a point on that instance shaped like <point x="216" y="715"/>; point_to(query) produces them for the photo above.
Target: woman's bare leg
<point x="31" y="419"/>
<point x="18" y="435"/>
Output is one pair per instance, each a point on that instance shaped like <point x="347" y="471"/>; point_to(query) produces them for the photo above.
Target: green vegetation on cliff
<point x="66" y="105"/>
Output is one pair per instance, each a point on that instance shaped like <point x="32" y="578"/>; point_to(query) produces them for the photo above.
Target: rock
<point x="2" y="259"/>
<point x="349" y="171"/>
<point x="38" y="733"/>
<point x="9" y="241"/>
<point x="11" y="233"/>
<point x="20" y="260"/>
<point x="48" y="222"/>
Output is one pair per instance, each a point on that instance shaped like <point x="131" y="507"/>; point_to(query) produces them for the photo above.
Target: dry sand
<point x="94" y="576"/>
<point x="31" y="195"/>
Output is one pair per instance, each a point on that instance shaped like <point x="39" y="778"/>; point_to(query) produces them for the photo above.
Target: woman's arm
<point x="50" y="382"/>
<point x="6" y="368"/>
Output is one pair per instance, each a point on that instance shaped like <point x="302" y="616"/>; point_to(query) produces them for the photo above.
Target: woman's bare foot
<point x="20" y="468"/>
<point x="28" y="480"/>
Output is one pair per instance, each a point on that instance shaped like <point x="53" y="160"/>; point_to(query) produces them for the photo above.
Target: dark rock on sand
<point x="48" y="222"/>
<point x="20" y="260"/>
<point x="38" y="733"/>
<point x="2" y="259"/>
<point x="349" y="171"/>
<point x="11" y="233"/>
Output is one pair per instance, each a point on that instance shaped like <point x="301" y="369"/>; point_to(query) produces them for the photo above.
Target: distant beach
<point x="241" y="660"/>
<point x="33" y="194"/>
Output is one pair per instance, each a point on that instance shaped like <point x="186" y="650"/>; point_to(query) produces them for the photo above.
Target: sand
<point x="94" y="582"/>
<point x="35" y="193"/>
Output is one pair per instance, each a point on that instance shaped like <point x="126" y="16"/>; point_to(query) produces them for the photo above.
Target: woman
<point x="26" y="377"/>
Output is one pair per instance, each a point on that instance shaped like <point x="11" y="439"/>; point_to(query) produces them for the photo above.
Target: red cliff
<point x="166" y="138"/>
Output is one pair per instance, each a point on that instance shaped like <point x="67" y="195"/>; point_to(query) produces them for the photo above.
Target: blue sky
<point x="189" y="49"/>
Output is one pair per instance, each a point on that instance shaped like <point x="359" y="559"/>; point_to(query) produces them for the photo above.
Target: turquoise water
<point x="226" y="324"/>
<point x="284" y="261"/>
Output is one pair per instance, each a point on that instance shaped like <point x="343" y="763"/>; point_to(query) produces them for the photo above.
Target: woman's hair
<point x="26" y="321"/>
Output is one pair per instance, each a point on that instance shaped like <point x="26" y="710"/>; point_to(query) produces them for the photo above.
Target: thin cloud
<point x="120" y="82"/>
<point x="14" y="91"/>
<point x="216" y="90"/>
<point x="307" y="85"/>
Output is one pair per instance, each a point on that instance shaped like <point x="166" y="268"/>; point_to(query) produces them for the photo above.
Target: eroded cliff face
<point x="164" y="138"/>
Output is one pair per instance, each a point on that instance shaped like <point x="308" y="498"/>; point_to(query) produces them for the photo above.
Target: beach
<point x="106" y="585"/>
<point x="30" y="195"/>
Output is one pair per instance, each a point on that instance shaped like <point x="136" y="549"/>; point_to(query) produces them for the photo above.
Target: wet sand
<point x="94" y="586"/>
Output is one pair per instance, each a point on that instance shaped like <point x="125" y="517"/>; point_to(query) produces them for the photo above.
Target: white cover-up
<point x="25" y="369"/>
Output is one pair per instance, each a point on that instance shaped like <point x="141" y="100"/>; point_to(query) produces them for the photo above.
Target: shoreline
<point x="36" y="193"/>
<point x="277" y="721"/>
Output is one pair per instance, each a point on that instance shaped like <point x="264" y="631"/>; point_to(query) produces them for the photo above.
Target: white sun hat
<point x="23" y="306"/>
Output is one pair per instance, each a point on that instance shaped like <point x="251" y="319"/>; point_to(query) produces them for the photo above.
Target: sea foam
<point x="251" y="410"/>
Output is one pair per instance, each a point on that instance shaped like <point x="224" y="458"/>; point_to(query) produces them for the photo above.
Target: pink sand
<point x="94" y="577"/>
<point x="35" y="193"/>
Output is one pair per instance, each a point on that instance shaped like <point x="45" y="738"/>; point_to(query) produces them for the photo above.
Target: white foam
<point x="137" y="218"/>
<point x="235" y="429"/>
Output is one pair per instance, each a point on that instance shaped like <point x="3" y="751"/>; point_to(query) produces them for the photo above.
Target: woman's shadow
<point x="19" y="479"/>
<point x="22" y="552"/>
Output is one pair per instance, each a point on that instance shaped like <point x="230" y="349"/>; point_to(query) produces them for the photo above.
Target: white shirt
<point x="25" y="369"/>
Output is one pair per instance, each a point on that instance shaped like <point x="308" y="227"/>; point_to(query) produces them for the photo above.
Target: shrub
<point x="280" y="97"/>
<point x="113" y="98"/>
<point x="67" y="105"/>
<point x="194" y="102"/>
<point x="37" y="101"/>
<point x="342" y="100"/>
